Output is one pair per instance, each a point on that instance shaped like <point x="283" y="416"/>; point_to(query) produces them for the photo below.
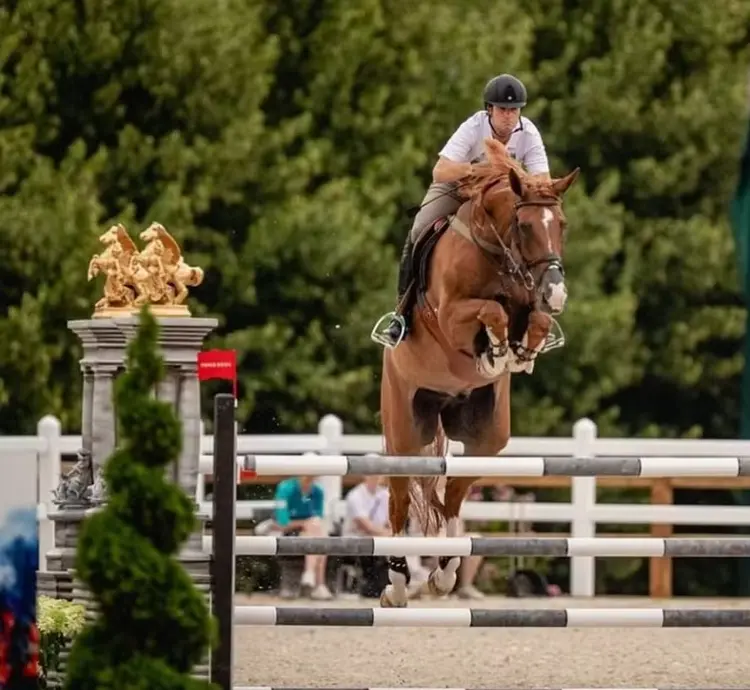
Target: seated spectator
<point x="367" y="516"/>
<point x="302" y="515"/>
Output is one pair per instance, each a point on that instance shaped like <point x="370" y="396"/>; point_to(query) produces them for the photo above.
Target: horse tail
<point x="428" y="505"/>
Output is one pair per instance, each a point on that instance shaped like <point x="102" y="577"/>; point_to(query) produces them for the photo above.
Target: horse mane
<point x="125" y="240"/>
<point x="497" y="170"/>
<point x="171" y="248"/>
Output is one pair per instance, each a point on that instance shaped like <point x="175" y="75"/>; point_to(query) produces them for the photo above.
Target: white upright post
<point x="583" y="497"/>
<point x="332" y="430"/>
<point x="48" y="471"/>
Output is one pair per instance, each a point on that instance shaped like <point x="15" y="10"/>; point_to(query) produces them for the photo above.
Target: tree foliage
<point x="283" y="142"/>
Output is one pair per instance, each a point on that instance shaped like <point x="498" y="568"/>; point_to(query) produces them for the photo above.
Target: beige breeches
<point x="440" y="200"/>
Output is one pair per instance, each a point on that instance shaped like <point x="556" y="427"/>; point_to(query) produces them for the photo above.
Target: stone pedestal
<point x="105" y="343"/>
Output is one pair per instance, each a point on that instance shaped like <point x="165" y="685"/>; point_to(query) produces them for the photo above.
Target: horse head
<point x="524" y="213"/>
<point x="112" y="234"/>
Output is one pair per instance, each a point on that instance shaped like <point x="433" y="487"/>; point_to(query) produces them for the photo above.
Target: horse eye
<point x="525" y="227"/>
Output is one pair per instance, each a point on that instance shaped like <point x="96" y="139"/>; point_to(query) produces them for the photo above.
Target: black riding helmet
<point x="505" y="91"/>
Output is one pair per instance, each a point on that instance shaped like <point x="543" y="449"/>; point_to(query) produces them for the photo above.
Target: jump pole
<point x="269" y="687"/>
<point x="642" y="547"/>
<point x="493" y="466"/>
<point x="492" y="618"/>
<point x="223" y="527"/>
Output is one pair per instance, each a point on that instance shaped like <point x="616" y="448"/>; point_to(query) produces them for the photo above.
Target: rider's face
<point x="504" y="120"/>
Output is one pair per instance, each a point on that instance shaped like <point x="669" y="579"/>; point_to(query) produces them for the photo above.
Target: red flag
<point x="218" y="364"/>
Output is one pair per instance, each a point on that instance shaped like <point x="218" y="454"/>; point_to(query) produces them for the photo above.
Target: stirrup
<point x="555" y="338"/>
<point x="377" y="335"/>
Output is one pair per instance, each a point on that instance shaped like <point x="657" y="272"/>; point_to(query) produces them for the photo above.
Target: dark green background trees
<point x="283" y="142"/>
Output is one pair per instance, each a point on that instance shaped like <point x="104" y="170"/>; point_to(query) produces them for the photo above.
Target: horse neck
<point x="488" y="227"/>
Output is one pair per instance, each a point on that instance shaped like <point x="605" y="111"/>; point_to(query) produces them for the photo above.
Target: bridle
<point x="518" y="270"/>
<point x="501" y="256"/>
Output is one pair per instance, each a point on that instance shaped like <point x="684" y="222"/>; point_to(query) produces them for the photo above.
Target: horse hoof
<point x="440" y="583"/>
<point x="492" y="369"/>
<point x="388" y="601"/>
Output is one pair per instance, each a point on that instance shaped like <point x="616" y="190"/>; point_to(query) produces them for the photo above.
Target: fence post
<point x="48" y="472"/>
<point x="583" y="498"/>
<point x="331" y="428"/>
<point x="224" y="528"/>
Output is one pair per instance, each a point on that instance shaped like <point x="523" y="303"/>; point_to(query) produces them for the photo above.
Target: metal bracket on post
<point x="223" y="529"/>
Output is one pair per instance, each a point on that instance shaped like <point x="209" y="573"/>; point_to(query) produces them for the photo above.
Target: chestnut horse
<point x="486" y="283"/>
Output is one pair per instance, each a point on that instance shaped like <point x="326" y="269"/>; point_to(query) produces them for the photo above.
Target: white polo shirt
<point x="525" y="144"/>
<point x="362" y="503"/>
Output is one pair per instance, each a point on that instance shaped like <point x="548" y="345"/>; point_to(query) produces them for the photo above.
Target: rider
<point x="504" y="96"/>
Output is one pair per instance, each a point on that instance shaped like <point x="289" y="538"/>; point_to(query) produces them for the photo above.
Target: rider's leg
<point x="441" y="200"/>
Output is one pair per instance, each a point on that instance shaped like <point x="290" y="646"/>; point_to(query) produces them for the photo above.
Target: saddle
<point x="420" y="264"/>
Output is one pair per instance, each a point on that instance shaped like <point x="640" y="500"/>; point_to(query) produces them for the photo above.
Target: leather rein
<point x="501" y="255"/>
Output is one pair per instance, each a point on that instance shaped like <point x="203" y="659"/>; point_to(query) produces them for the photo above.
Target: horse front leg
<point x="458" y="321"/>
<point x="524" y="354"/>
<point x="402" y="437"/>
<point x="494" y="361"/>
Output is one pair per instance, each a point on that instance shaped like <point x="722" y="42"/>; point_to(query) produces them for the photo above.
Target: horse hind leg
<point x="482" y="424"/>
<point x="404" y="431"/>
<point x="442" y="579"/>
<point x="396" y="593"/>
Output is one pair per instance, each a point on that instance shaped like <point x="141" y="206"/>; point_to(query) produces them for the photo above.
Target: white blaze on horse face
<point x="556" y="293"/>
<point x="547" y="218"/>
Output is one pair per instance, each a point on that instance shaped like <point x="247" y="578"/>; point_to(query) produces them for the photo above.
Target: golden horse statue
<point x="158" y="275"/>
<point x="121" y="289"/>
<point x="162" y="258"/>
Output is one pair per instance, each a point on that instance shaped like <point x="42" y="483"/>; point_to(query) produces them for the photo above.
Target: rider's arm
<point x="454" y="158"/>
<point x="446" y="170"/>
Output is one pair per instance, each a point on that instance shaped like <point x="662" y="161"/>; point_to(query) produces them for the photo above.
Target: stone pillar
<point x="105" y="343"/>
<point x="169" y="392"/>
<point x="103" y="430"/>
<point x="190" y="414"/>
<point x="87" y="407"/>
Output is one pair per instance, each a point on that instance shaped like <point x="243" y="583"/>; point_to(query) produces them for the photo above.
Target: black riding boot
<point x="405" y="273"/>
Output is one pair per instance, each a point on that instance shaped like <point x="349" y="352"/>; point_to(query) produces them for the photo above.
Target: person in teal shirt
<point x="300" y="513"/>
<point x="302" y="500"/>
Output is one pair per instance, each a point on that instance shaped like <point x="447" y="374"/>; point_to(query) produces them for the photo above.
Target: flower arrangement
<point x="58" y="621"/>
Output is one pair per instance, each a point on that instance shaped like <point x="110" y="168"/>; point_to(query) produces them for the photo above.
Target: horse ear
<point x="561" y="185"/>
<point x="516" y="184"/>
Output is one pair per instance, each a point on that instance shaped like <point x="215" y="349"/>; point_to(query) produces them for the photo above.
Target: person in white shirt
<point x="504" y="96"/>
<point x="367" y="516"/>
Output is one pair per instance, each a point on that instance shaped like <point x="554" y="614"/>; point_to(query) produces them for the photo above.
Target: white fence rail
<point x="583" y="512"/>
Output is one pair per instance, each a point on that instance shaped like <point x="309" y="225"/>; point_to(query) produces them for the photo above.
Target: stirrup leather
<point x="377" y="335"/>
